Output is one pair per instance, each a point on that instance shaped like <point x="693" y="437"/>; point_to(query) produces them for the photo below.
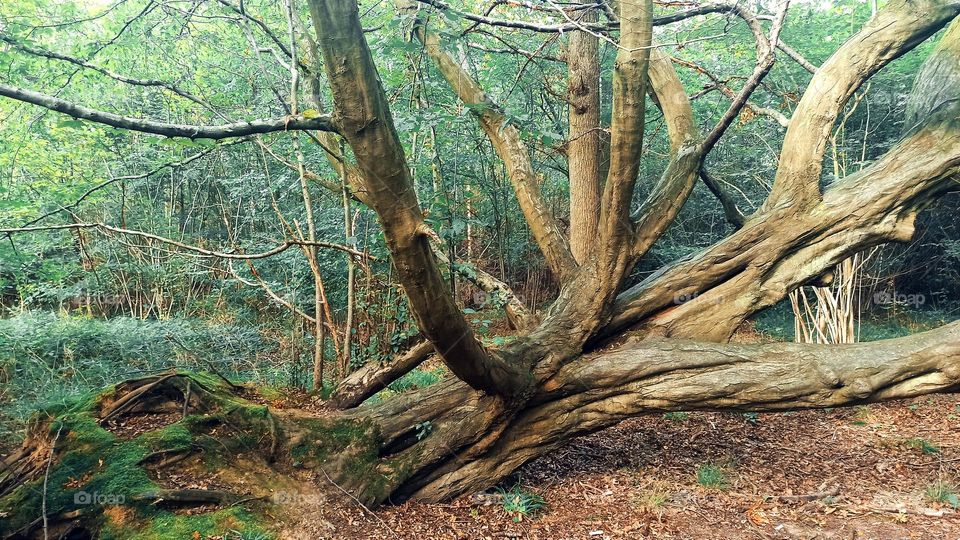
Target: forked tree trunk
<point x="476" y="438"/>
<point x="601" y="353"/>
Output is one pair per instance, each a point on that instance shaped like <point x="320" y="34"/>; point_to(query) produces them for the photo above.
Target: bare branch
<point x="224" y="131"/>
<point x="730" y="210"/>
<point x="505" y="138"/>
<point x="792" y="53"/>
<point x="202" y="252"/>
<point x="241" y="10"/>
<point x="765" y="58"/>
<point x="262" y="284"/>
<point x="721" y="86"/>
<point x="519" y="25"/>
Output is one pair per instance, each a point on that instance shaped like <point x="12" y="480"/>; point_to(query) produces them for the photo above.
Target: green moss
<point x="174" y="436"/>
<point x="164" y="525"/>
<point x="326" y="439"/>
<point x="93" y="466"/>
<point x="270" y="393"/>
<point x="101" y="474"/>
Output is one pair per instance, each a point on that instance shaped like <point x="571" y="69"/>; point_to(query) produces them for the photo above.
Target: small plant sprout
<point x="943" y="493"/>
<point x="711" y="476"/>
<point x="923" y="445"/>
<point x="677" y="416"/>
<point x="520" y="503"/>
<point x="655" y="496"/>
<point x="423" y="429"/>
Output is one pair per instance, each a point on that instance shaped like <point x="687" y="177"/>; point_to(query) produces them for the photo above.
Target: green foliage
<point x="48" y="360"/>
<point x="417" y="378"/>
<point x="677" y="416"/>
<point x="711" y="476"/>
<point x="925" y="446"/>
<point x="943" y="493"/>
<point x="520" y="503"/>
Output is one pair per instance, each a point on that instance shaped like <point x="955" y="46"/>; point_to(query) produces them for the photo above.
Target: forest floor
<point x="868" y="472"/>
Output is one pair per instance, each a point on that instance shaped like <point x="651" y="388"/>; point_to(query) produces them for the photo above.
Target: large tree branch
<point x="225" y="131"/>
<point x="897" y="28"/>
<point x="367" y="124"/>
<point x="711" y="293"/>
<point x="677" y="181"/>
<point x="375" y="376"/>
<point x="583" y="304"/>
<point x="938" y="82"/>
<point x="506" y="140"/>
<point x="642" y="377"/>
<point x="630" y="81"/>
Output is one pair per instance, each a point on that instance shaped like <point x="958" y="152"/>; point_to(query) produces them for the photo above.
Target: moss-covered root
<point x="94" y="468"/>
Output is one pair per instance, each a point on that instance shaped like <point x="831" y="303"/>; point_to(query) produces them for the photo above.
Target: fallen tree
<point x="602" y="352"/>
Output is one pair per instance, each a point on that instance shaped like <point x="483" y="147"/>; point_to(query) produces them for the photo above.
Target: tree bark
<point x="367" y="125"/>
<point x="584" y="144"/>
<point x="893" y="31"/>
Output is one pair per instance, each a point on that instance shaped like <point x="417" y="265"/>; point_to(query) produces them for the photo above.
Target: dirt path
<point x="639" y="480"/>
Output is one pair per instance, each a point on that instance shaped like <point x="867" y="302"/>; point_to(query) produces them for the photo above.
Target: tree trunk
<point x="600" y="354"/>
<point x="583" y="147"/>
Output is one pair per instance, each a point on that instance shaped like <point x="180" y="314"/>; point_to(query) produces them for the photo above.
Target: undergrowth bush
<point x="46" y="359"/>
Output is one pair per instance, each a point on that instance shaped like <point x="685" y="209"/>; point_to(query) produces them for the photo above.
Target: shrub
<point x="711" y="476"/>
<point x="943" y="493"/>
<point x="48" y="359"/>
<point x="519" y="503"/>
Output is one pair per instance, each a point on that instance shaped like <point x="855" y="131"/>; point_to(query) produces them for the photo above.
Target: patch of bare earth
<point x="854" y="473"/>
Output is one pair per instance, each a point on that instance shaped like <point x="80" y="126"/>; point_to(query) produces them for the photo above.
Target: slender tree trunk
<point x="351" y="283"/>
<point x="584" y="145"/>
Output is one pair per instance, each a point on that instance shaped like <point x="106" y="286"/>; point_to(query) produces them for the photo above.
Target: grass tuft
<point x="520" y="503"/>
<point x="943" y="493"/>
<point x="711" y="476"/>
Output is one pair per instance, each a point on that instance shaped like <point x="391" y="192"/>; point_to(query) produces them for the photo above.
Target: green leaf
<point x="70" y="123"/>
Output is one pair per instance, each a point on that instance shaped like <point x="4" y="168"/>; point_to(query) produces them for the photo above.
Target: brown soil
<point x="639" y="480"/>
<point x="128" y="426"/>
